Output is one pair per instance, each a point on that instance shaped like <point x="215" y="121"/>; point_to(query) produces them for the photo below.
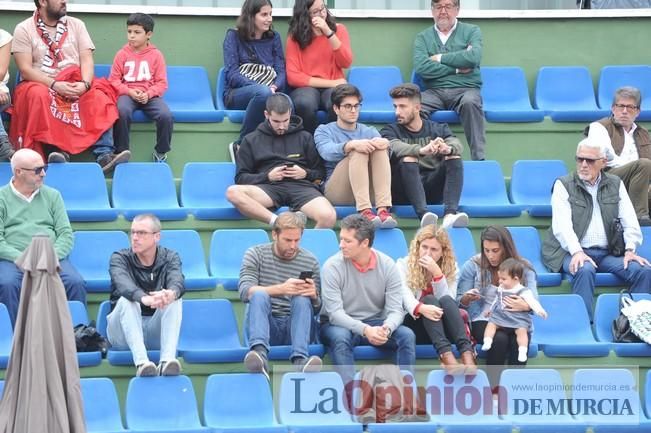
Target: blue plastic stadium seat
<point x="567" y="331"/>
<point x="322" y="243"/>
<point x="566" y="94"/>
<point x="532" y="182"/>
<point x="444" y="116"/>
<point x="6" y="337"/>
<point x="391" y="242"/>
<point x="375" y="82"/>
<point x="146" y="187"/>
<point x="484" y="191"/>
<point x="235" y="116"/>
<point x="523" y="386"/>
<point x="645" y="249"/>
<point x="473" y="416"/>
<point x="5" y="173"/>
<point x="187" y="244"/>
<point x="647" y="395"/>
<point x="301" y="392"/>
<point x="118" y="356"/>
<point x="614" y="77"/>
<point x="527" y="242"/>
<point x="606" y="310"/>
<point x="407" y="210"/>
<point x="227" y="248"/>
<point x="209" y="332"/>
<point x="228" y="401"/>
<point x="162" y="404"/>
<point x="612" y="386"/>
<point x="79" y="315"/>
<point x="83" y="188"/>
<point x="91" y="254"/>
<point x="343" y="211"/>
<point x="208" y="203"/>
<point x="505" y="95"/>
<point x="462" y="243"/>
<point x="101" y="405"/>
<point x="189" y="95"/>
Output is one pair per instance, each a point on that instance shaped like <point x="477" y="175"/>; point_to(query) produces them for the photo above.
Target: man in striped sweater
<point x="280" y="281"/>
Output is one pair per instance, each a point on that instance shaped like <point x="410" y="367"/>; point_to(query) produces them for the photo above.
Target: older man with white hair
<point x="594" y="227"/>
<point x="27" y="207"/>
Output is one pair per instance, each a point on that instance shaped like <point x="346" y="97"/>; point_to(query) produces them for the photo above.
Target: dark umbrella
<point x="42" y="391"/>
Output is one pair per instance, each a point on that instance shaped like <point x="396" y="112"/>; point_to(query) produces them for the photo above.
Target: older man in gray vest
<point x="587" y="207"/>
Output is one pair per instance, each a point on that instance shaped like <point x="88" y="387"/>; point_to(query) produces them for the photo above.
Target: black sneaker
<point x="6" y="150"/>
<point x="256" y="362"/>
<point x="108" y="161"/>
<point x="58" y="157"/>
<point x="644" y="221"/>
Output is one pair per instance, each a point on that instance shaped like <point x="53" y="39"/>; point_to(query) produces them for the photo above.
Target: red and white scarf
<point x="54" y="53"/>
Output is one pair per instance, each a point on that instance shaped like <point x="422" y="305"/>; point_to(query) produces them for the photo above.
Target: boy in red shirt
<point x="139" y="75"/>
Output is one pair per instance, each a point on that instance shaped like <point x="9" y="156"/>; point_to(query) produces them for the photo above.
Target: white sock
<point x="272" y="220"/>
<point x="488" y="343"/>
<point x="522" y="353"/>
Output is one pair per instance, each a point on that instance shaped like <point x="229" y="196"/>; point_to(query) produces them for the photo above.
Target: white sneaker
<point x="429" y="218"/>
<point x="459" y="219"/>
<point x="147" y="369"/>
<point x="169" y="368"/>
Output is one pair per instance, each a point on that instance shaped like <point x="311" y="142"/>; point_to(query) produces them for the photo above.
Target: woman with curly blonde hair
<point x="429" y="276"/>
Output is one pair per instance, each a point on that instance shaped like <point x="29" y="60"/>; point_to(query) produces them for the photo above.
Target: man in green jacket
<point x="447" y="58"/>
<point x="27" y="207"/>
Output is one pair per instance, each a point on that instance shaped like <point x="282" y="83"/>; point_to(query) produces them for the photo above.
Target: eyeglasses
<point x="351" y="107"/>
<point x="448" y="8"/>
<point x="589" y="161"/>
<point x="628" y="107"/>
<point x="141" y="233"/>
<point x="317" y="12"/>
<point x="37" y="170"/>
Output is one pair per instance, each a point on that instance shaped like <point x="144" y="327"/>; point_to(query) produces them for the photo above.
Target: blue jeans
<point x="269" y="330"/>
<point x="156" y="109"/>
<point x="11" y="278"/>
<point x="252" y="99"/>
<point x="341" y="342"/>
<point x="127" y="328"/>
<point x="638" y="276"/>
<point x="104" y="144"/>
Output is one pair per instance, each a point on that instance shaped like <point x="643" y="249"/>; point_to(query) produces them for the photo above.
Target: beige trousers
<point x="359" y="176"/>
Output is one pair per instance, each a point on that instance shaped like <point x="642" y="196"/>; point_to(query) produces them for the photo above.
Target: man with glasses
<point x="357" y="160"/>
<point x="146" y="287"/>
<point x="27" y="208"/>
<point x="628" y="148"/>
<point x="594" y="228"/>
<point x="447" y="58"/>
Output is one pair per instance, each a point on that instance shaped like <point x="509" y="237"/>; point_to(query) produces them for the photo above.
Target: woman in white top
<point x="5" y="56"/>
<point x="429" y="276"/>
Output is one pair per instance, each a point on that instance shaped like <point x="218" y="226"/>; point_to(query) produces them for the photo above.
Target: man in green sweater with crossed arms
<point x="447" y="58"/>
<point x="28" y="207"/>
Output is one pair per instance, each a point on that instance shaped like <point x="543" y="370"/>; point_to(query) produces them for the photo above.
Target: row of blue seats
<point x="564" y="93"/>
<point x="149" y="187"/>
<point x="209" y="333"/>
<point x="314" y="403"/>
<point x="92" y="251"/>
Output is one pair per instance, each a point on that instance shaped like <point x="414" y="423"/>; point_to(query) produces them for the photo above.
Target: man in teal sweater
<point x="28" y="207"/>
<point x="447" y="58"/>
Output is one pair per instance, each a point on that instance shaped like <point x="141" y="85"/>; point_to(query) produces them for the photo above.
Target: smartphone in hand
<point x="305" y="275"/>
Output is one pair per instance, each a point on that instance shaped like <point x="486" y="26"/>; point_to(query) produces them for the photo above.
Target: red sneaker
<point x="370" y="215"/>
<point x="386" y="220"/>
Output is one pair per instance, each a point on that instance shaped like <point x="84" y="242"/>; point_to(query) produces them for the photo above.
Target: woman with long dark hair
<point x="254" y="63"/>
<point x="429" y="276"/>
<point x="318" y="51"/>
<point x="477" y="289"/>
